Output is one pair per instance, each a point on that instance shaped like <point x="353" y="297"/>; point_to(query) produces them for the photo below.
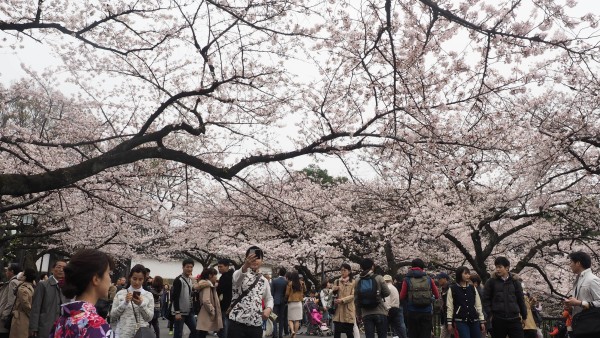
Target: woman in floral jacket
<point x="87" y="278"/>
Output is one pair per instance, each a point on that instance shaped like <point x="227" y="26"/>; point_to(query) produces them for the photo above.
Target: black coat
<point x="225" y="288"/>
<point x="504" y="299"/>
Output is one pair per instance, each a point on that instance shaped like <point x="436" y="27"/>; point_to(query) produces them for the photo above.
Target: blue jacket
<point x="278" y="286"/>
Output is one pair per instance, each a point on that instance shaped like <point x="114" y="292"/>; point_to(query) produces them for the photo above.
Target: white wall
<point x="168" y="270"/>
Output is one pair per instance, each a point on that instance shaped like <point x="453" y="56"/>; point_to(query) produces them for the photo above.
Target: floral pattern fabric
<point x="80" y="320"/>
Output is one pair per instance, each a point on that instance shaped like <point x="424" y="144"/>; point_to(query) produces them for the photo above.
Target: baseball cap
<point x="387" y="278"/>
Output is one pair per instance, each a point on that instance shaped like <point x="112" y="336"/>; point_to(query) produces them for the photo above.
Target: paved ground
<point x="164" y="332"/>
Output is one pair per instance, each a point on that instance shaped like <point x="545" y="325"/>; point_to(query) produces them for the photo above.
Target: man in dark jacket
<point x="278" y="286"/>
<point x="504" y="301"/>
<point x="224" y="290"/>
<point x="419" y="291"/>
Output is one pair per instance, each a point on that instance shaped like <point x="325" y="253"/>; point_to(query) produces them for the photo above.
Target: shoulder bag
<point x="587" y="322"/>
<point x="142" y="332"/>
<point x="244" y="294"/>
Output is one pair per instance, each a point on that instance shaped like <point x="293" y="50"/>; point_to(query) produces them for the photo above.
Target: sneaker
<point x="170" y="332"/>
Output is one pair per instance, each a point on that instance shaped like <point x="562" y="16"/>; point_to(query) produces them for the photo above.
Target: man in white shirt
<point x="395" y="314"/>
<point x="250" y="289"/>
<point x="586" y="289"/>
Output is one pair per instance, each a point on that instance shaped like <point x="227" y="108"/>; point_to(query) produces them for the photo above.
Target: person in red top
<point x="419" y="290"/>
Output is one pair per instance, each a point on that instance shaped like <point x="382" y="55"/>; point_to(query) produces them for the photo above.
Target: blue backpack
<point x="368" y="295"/>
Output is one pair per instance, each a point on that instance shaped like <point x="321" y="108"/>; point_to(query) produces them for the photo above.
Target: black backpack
<point x="369" y="295"/>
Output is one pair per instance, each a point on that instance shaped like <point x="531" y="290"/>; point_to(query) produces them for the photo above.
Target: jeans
<point x="190" y="322"/>
<point x="239" y="330"/>
<point x="223" y="332"/>
<point x="468" y="329"/>
<point x="280" y="324"/>
<point x="339" y="328"/>
<point x="154" y="322"/>
<point x="507" y="327"/>
<point x="419" y="324"/>
<point x="396" y="320"/>
<point x="375" y="323"/>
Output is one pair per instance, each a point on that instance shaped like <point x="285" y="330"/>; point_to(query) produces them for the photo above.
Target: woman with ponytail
<point x="87" y="278"/>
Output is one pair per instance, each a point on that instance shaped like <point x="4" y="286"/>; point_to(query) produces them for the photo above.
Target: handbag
<point x="587" y="322"/>
<point x="142" y="332"/>
<point x="244" y="294"/>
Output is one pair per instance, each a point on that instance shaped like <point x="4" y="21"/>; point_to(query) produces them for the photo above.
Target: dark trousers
<point x="530" y="333"/>
<point x="280" y="324"/>
<point x="375" y="323"/>
<point x="190" y="322"/>
<point x="468" y="329"/>
<point x="396" y="320"/>
<point x="339" y="328"/>
<point x="239" y="330"/>
<point x="419" y="324"/>
<point x="223" y="332"/>
<point x="154" y="322"/>
<point x="501" y="328"/>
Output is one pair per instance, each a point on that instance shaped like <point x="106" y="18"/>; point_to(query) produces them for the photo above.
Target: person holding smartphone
<point x="250" y="290"/>
<point x="133" y="307"/>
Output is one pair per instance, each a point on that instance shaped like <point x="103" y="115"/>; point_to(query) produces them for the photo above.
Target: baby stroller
<point x="314" y="324"/>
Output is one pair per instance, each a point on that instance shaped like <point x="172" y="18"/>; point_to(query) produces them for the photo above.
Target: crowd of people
<point x="79" y="300"/>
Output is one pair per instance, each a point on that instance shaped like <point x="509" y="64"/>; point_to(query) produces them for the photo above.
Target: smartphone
<point x="253" y="252"/>
<point x="136" y="294"/>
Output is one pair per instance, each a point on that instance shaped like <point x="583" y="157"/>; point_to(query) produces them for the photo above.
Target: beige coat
<point x="209" y="318"/>
<point x="344" y="312"/>
<point x="21" y="311"/>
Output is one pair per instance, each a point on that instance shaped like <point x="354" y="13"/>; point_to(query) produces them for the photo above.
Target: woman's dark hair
<point x="30" y="275"/>
<point x="459" y="272"/>
<point x="581" y="257"/>
<point x="138" y="268"/>
<point x="157" y="283"/>
<point x="206" y="273"/>
<point x="295" y="279"/>
<point x="347" y="267"/>
<point x="81" y="269"/>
